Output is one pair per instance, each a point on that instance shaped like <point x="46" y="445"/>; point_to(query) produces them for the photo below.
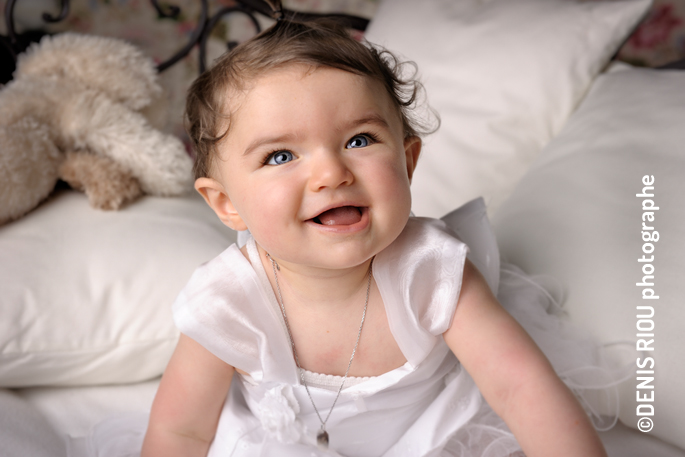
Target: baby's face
<point x="316" y="166"/>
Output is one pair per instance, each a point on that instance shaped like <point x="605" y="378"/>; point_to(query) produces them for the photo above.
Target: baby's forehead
<point x="294" y="83"/>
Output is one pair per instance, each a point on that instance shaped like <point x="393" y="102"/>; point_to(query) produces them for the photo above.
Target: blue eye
<point x="358" y="141"/>
<point x="279" y="158"/>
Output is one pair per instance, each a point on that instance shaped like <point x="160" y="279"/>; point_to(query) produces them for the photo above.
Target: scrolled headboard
<point x="14" y="43"/>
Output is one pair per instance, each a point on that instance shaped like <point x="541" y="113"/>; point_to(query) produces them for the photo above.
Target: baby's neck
<point x="324" y="311"/>
<point x="319" y="288"/>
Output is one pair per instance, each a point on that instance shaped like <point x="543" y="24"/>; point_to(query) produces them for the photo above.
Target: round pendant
<point x="322" y="439"/>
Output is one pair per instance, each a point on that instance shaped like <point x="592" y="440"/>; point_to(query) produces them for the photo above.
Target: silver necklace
<point x="322" y="436"/>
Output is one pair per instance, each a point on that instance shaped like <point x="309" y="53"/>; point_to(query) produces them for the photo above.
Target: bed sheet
<point x="622" y="441"/>
<point x="74" y="411"/>
<point x="71" y="412"/>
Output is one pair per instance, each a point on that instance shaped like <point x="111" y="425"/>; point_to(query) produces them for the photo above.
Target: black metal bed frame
<point x="15" y="43"/>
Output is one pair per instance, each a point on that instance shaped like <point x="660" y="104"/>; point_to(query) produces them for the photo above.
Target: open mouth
<point x="343" y="215"/>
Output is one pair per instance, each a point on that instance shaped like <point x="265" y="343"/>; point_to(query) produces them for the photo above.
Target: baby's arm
<point x="515" y="377"/>
<point x="187" y="406"/>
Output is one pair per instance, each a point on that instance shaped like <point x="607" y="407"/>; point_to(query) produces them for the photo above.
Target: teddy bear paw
<point x="106" y="183"/>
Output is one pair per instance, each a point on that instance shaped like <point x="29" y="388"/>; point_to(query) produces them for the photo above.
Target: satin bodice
<point x="230" y="308"/>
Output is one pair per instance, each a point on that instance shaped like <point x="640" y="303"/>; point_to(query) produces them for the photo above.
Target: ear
<point x="217" y="198"/>
<point x="412" y="150"/>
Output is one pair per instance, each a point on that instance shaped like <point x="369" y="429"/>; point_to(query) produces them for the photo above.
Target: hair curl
<point x="317" y="43"/>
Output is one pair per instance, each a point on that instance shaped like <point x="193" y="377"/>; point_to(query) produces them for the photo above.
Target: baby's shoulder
<point x="420" y="276"/>
<point x="228" y="263"/>
<point x="424" y="240"/>
<point x="221" y="306"/>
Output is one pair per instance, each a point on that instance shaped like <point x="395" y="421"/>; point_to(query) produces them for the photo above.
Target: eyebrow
<point x="375" y="119"/>
<point x="268" y="140"/>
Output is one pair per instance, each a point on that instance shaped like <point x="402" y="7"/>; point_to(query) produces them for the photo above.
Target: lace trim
<point x="332" y="382"/>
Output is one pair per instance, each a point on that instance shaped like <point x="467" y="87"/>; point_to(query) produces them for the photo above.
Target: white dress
<point x="430" y="406"/>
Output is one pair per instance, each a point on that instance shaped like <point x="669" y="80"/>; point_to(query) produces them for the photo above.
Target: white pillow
<point x="576" y="216"/>
<point x="86" y="294"/>
<point x="504" y="76"/>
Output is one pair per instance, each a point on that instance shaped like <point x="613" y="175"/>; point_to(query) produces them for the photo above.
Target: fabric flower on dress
<point x="277" y="412"/>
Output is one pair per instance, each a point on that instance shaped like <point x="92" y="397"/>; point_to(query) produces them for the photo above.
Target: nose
<point x="329" y="170"/>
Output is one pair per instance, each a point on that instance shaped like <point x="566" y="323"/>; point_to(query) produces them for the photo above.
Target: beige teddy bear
<point x="73" y="112"/>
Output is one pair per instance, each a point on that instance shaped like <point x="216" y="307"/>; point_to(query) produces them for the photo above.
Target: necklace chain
<point x="322" y="436"/>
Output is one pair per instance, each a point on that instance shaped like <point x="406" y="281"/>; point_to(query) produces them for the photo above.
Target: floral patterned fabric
<point x="660" y="39"/>
<point x="137" y="22"/>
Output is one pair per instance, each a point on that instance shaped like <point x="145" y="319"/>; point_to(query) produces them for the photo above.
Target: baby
<point x="343" y="326"/>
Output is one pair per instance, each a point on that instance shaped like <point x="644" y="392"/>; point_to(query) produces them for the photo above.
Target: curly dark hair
<point x="315" y="43"/>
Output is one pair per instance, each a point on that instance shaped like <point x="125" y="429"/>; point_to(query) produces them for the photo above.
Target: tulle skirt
<point x="584" y="366"/>
<point x="534" y="303"/>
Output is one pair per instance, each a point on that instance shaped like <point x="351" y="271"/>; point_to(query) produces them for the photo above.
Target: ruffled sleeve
<point x="224" y="308"/>
<point x="419" y="277"/>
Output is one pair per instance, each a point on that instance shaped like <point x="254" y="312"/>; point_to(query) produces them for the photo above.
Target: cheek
<point x="391" y="183"/>
<point x="268" y="209"/>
